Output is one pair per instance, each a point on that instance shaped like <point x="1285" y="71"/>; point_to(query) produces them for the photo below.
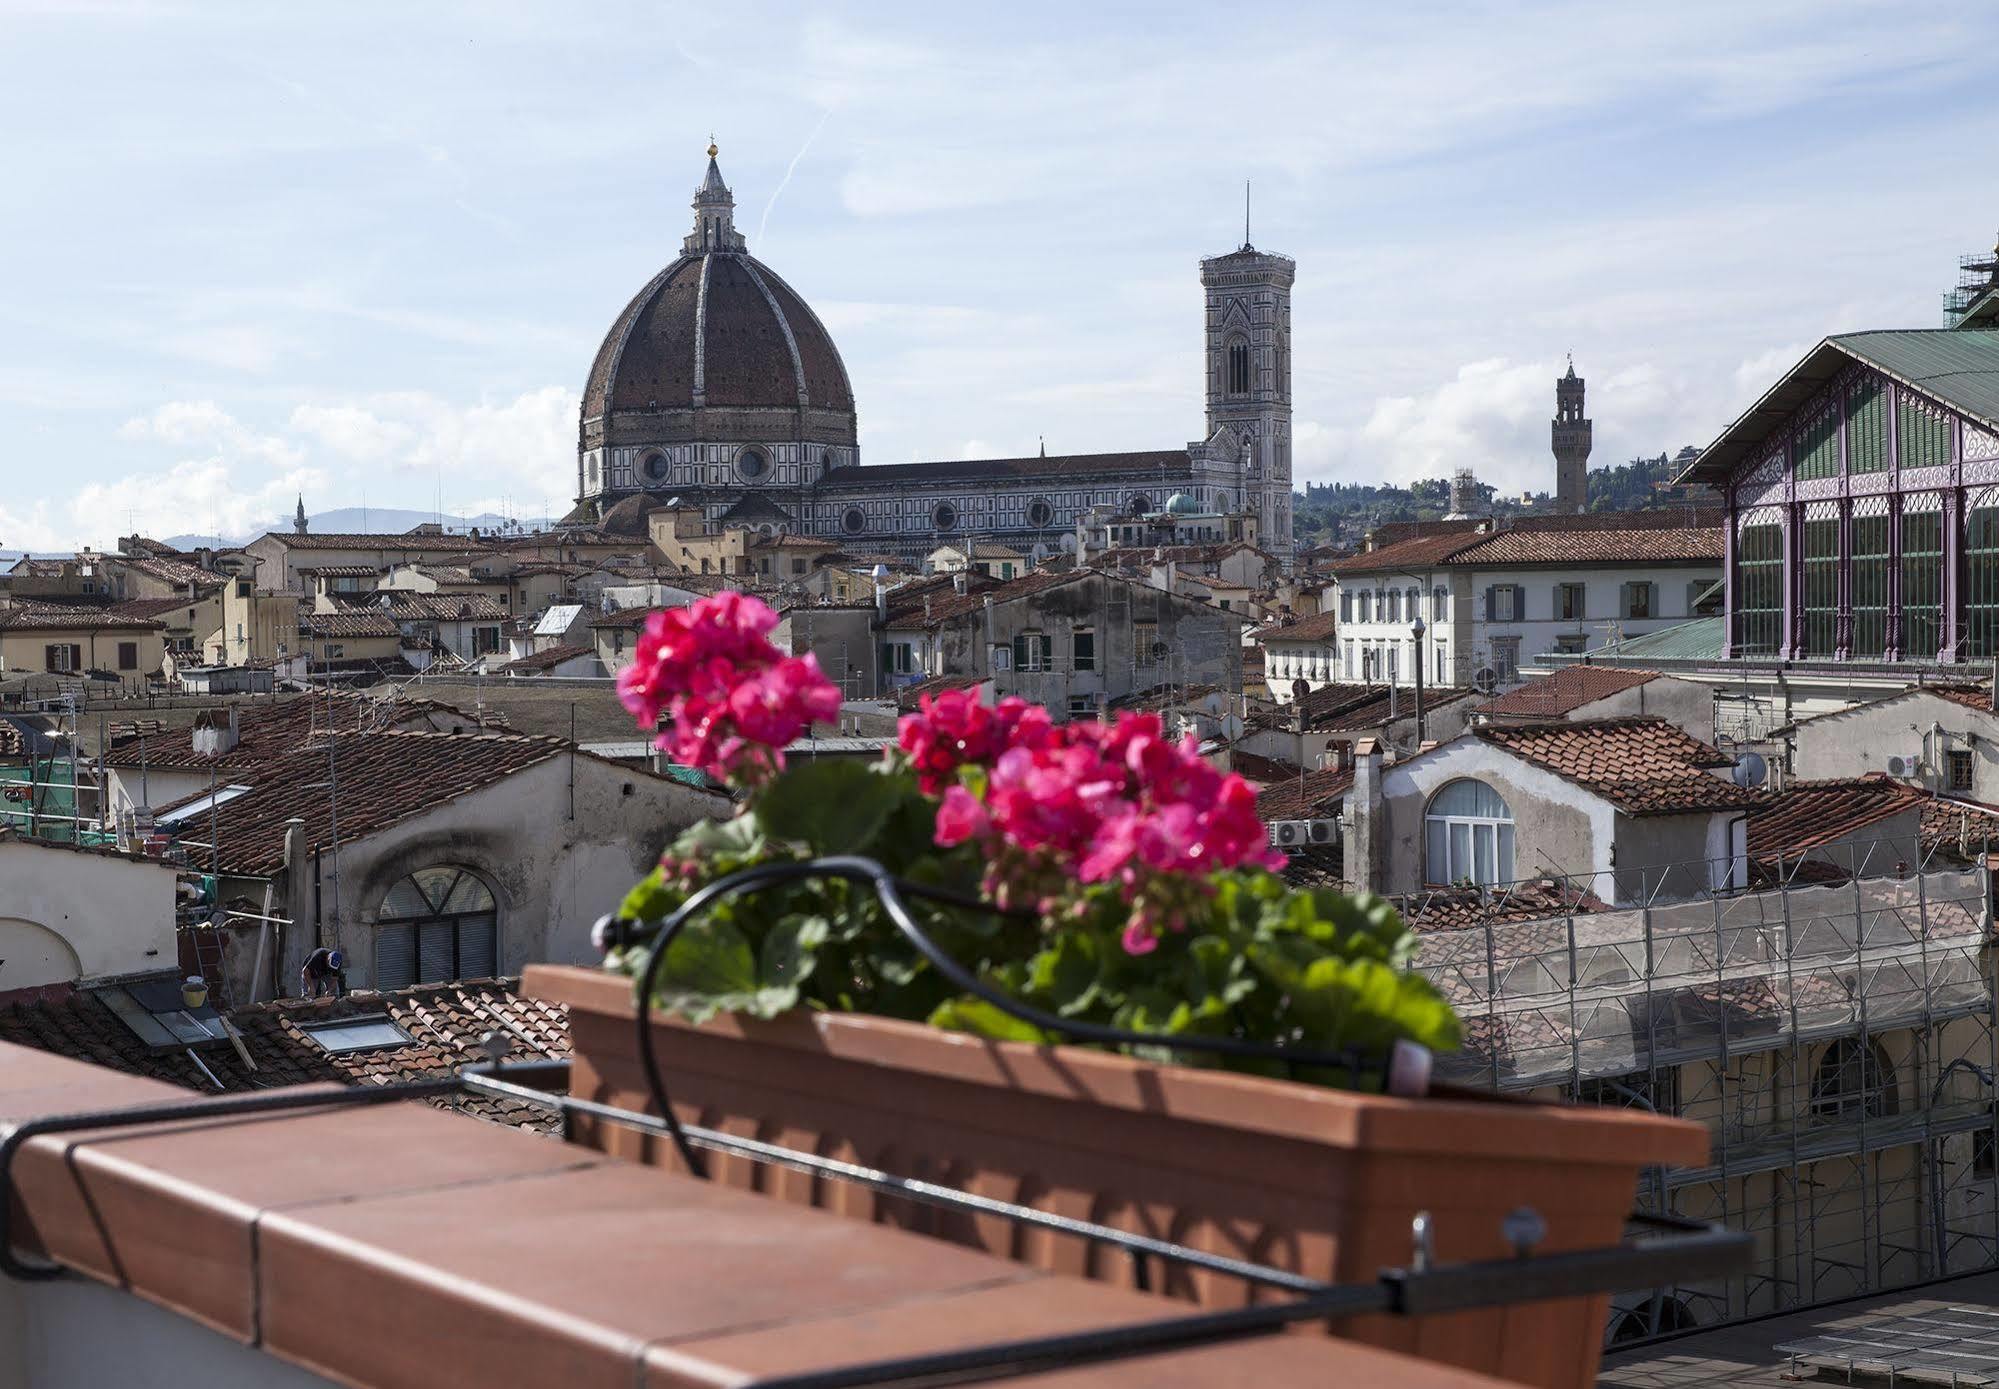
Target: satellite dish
<point x="1485" y="679"/>
<point x="1232" y="727"/>
<point x="1300" y="688"/>
<point x="1160" y="651"/>
<point x="1750" y="770"/>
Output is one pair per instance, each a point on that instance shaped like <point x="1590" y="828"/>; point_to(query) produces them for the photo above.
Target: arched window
<point x="654" y="467"/>
<point x="751" y="464"/>
<point x="1853" y="1081"/>
<point x="1238" y="367"/>
<point x="1468" y="835"/>
<point x="1637" y="1324"/>
<point x="437" y="924"/>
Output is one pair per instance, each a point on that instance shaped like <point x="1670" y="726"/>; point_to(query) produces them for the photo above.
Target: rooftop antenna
<point x="1245" y="214"/>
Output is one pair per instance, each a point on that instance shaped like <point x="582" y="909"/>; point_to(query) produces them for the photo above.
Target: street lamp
<point x="1416" y="629"/>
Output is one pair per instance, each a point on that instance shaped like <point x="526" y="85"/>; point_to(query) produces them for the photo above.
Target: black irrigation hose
<point x="890" y="891"/>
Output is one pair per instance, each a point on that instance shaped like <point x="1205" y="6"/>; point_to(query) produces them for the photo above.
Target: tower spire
<point x="298" y="517"/>
<point x="714" y="213"/>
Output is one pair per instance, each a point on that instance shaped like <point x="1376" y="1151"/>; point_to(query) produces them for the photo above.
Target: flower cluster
<point x="955" y="729"/>
<point x="1086" y="803"/>
<point x="731" y="699"/>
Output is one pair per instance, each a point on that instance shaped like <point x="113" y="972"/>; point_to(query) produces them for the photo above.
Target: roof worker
<point x="324" y="974"/>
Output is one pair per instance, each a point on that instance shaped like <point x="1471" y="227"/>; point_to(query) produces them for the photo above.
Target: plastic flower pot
<point x="194" y="992"/>
<point x="1312" y="1180"/>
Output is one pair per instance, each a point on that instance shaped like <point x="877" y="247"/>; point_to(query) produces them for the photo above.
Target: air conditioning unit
<point x="1299" y="834"/>
<point x="1903" y="766"/>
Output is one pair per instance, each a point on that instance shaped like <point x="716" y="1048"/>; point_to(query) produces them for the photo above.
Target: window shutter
<point x="1651" y="600"/>
<point x="395" y="957"/>
<point x="1557" y="609"/>
<point x="1624" y="600"/>
<point x="1492" y="602"/>
<point x="1020" y="653"/>
<point x="1694" y="590"/>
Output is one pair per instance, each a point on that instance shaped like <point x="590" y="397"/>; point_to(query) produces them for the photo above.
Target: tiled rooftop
<point x="407" y="542"/>
<point x="1460" y="908"/>
<point x="906" y="604"/>
<point x="1316" y="795"/>
<point x="353" y="622"/>
<point x="445" y="1023"/>
<point x="72" y="618"/>
<point x="384" y="777"/>
<point x="545" y="660"/>
<point x="1342" y="708"/>
<point x="1809" y="814"/>
<point x="1317" y="628"/>
<point x="1643" y="766"/>
<point x="1523" y="546"/>
<point x="435" y="607"/>
<point x="1567" y="690"/>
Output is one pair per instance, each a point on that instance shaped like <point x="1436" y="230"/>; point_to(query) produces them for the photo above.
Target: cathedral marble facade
<point x="718" y="385"/>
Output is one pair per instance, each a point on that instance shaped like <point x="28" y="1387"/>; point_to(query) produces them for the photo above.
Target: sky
<point x="366" y="252"/>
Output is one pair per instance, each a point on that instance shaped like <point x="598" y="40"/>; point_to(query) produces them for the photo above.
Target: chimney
<point x="926" y="607"/>
<point x="958" y="581"/>
<point x="1366" y="831"/>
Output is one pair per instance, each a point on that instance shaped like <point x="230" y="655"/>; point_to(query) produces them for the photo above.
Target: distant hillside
<point x="373" y="520"/>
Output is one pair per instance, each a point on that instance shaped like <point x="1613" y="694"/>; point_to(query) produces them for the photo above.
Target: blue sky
<point x="367" y="251"/>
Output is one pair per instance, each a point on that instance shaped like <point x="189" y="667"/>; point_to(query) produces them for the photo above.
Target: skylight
<point x="342" y="1035"/>
<point x="220" y="796"/>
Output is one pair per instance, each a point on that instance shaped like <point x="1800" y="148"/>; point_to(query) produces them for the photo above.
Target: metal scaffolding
<point x="1835" y="1032"/>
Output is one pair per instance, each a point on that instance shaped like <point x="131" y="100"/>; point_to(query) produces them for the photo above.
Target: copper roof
<point x="1567" y="690"/>
<point x="1643" y="766"/>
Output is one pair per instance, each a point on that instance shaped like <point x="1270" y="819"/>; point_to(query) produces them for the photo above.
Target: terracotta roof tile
<point x="1417" y="550"/>
<point x="384" y="777"/>
<point x="1568" y="689"/>
<point x="66" y="618"/>
<point x="1643" y="766"/>
<point x="1319" y="627"/>
<point x="1811" y="813"/>
<point x="1594" y="547"/>
<point x="445" y="1023"/>
<point x="547" y="659"/>
<point x="264" y="729"/>
<point x="906" y="604"/>
<point x="1967" y="827"/>
<point x="1339" y="708"/>
<point x="405" y="543"/>
<point x="1460" y="908"/>
<point x="352" y="622"/>
<point x="1316" y="795"/>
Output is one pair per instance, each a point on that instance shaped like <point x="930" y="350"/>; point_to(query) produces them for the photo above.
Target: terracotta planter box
<point x="1311" y="1180"/>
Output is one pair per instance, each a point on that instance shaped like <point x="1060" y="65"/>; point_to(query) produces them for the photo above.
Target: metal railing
<point x="1667" y="1251"/>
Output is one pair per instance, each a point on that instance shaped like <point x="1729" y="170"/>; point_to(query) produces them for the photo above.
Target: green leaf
<point x="833" y="806"/>
<point x="790" y="951"/>
<point x="650" y="899"/>
<point x="987" y="1020"/>
<point x="708" y="957"/>
<point x="1065" y="975"/>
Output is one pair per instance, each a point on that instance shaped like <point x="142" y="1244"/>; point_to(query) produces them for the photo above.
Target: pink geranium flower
<point x="723" y="697"/>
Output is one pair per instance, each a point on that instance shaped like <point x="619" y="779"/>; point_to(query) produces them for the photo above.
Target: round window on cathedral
<point x="1040" y="513"/>
<point x="944" y="516"/>
<point x="654" y="467"/>
<point x="1140" y="504"/>
<point x="752" y="464"/>
<point x="854" y="520"/>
